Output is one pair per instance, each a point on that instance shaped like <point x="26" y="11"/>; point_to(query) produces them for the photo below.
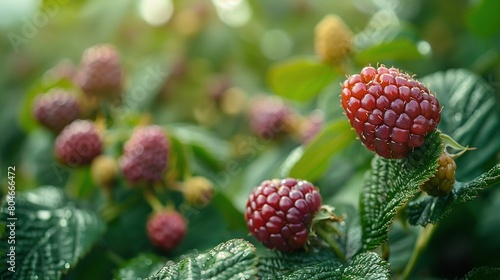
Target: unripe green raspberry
<point x="333" y="39"/>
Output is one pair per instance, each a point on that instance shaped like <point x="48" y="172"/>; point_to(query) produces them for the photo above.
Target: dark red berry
<point x="269" y="117"/>
<point x="390" y="111"/>
<point x="100" y="72"/>
<point x="279" y="213"/>
<point x="443" y="180"/>
<point x="78" y="143"/>
<point x="56" y="109"/>
<point x="166" y="229"/>
<point x="145" y="155"/>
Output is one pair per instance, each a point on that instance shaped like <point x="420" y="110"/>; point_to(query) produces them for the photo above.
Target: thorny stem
<point x="422" y="241"/>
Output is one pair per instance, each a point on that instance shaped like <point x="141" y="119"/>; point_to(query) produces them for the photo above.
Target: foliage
<point x="196" y="75"/>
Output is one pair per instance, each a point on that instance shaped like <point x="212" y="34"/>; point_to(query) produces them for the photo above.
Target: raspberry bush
<point x="250" y="140"/>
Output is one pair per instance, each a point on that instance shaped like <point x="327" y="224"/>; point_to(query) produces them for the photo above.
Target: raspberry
<point x="145" y="155"/>
<point x="443" y="180"/>
<point x="390" y="111"/>
<point x="311" y="127"/>
<point x="279" y="213"/>
<point x="56" y="109"/>
<point x="78" y="143"/>
<point x="269" y="116"/>
<point x="166" y="229"/>
<point x="100" y="71"/>
<point x="198" y="191"/>
<point x="104" y="170"/>
<point x="333" y="39"/>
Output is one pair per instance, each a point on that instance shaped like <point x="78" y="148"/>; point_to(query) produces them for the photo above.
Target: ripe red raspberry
<point x="166" y="229"/>
<point x="443" y="180"/>
<point x="78" y="143"/>
<point x="56" y="109"/>
<point x="269" y="116"/>
<point x="145" y="155"/>
<point x="390" y="111"/>
<point x="100" y="71"/>
<point x="279" y="213"/>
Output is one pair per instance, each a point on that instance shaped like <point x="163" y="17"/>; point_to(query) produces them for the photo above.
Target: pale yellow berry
<point x="334" y="40"/>
<point x="198" y="191"/>
<point x="104" y="169"/>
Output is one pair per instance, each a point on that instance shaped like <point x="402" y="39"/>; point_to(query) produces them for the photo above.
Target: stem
<point x="153" y="200"/>
<point x="422" y="241"/>
<point x="111" y="212"/>
<point x="335" y="247"/>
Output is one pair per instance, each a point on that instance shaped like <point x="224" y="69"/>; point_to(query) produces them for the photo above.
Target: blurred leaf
<point x="433" y="209"/>
<point x="234" y="259"/>
<point x="204" y="142"/>
<point x="140" y="267"/>
<point x="469" y="116"/>
<point x="350" y="235"/>
<point x="300" y="79"/>
<point x="314" y="160"/>
<point x="52" y="233"/>
<point x="399" y="49"/>
<point x="145" y="85"/>
<point x="316" y="265"/>
<point x="178" y="161"/>
<point x="390" y="184"/>
<point x="483" y="273"/>
<point x="26" y="119"/>
<point x="483" y="18"/>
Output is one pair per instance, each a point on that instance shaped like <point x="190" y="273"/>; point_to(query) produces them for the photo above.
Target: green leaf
<point x="469" y="116"/>
<point x="432" y="209"/>
<point x="316" y="265"/>
<point x="390" y="184"/>
<point x="300" y="79"/>
<point x="140" y="267"/>
<point x="234" y="259"/>
<point x="399" y="49"/>
<point x="314" y="160"/>
<point x="206" y="145"/>
<point x="275" y="264"/>
<point x="483" y="273"/>
<point x="52" y="233"/>
<point x="483" y="18"/>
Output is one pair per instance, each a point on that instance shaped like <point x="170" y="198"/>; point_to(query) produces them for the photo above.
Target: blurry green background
<point x="199" y="41"/>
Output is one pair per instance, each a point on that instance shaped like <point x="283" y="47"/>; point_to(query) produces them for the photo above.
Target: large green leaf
<point x="469" y="116"/>
<point x="316" y="265"/>
<point x="234" y="259"/>
<point x="140" y="267"/>
<point x="483" y="18"/>
<point x="314" y="159"/>
<point x="483" y="273"/>
<point x="399" y="49"/>
<point x="432" y="209"/>
<point x="390" y="184"/>
<point x="51" y="234"/>
<point x="300" y="79"/>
